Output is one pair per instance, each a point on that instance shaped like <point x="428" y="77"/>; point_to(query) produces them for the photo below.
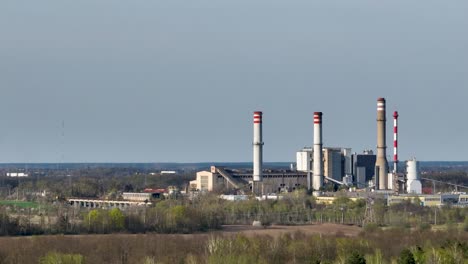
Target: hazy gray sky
<point x="147" y="81"/>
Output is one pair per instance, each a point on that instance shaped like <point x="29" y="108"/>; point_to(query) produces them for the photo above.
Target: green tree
<point x="419" y="255"/>
<point x="93" y="219"/>
<point x="406" y="257"/>
<point x="116" y="219"/>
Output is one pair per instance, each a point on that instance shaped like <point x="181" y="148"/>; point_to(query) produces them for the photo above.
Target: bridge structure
<point x="227" y="176"/>
<point x="94" y="203"/>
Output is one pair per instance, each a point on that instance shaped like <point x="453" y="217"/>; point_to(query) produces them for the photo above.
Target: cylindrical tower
<point x="395" y="142"/>
<point x="413" y="183"/>
<point x="412" y="170"/>
<point x="318" y="155"/>
<point x="257" y="147"/>
<point x="381" y="160"/>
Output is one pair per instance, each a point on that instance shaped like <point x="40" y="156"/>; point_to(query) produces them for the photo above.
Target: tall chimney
<point x="257" y="147"/>
<point x="318" y="154"/>
<point x="395" y="142"/>
<point x="381" y="161"/>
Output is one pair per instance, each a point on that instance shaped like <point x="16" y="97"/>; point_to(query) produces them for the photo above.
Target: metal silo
<point x="413" y="180"/>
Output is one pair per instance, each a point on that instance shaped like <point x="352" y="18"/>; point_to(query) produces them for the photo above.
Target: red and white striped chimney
<point x="257" y="147"/>
<point x="317" y="181"/>
<point x="395" y="142"/>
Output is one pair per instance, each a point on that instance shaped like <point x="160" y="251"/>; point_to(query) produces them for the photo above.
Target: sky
<point x="178" y="81"/>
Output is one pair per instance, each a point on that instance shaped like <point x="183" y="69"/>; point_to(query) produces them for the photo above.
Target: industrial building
<point x="318" y="164"/>
<point x="221" y="179"/>
<point x="304" y="158"/>
<point x="334" y="162"/>
<point x="143" y="196"/>
<point x="206" y="181"/>
<point x="432" y="200"/>
<point x="137" y="197"/>
<point x="363" y="167"/>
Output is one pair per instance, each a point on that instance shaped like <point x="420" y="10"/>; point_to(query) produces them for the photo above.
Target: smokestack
<point x="257" y="147"/>
<point x="395" y="142"/>
<point x="318" y="154"/>
<point x="381" y="161"/>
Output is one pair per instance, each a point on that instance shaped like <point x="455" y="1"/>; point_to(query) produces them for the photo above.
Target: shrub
<point x="424" y="226"/>
<point x="355" y="258"/>
<point x="406" y="257"/>
<point x="371" y="227"/>
<point x="59" y="258"/>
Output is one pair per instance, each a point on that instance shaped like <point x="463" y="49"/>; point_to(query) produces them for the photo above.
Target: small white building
<point x="168" y="172"/>
<point x="137" y="197"/>
<point x="17" y="174"/>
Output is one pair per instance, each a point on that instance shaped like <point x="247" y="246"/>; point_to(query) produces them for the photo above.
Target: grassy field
<point x="21" y="204"/>
<point x="329" y="243"/>
<point x="164" y="248"/>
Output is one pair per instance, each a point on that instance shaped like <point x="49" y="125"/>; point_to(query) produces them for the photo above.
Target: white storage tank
<point x="413" y="183"/>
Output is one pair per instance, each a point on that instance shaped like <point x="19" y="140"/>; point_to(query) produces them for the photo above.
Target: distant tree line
<point x="89" y="183"/>
<point x="209" y="212"/>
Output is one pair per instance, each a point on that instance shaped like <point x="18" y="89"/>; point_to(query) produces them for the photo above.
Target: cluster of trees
<point x="208" y="212"/>
<point x="297" y="248"/>
<point x="165" y="217"/>
<point x="90" y="183"/>
<point x="372" y="247"/>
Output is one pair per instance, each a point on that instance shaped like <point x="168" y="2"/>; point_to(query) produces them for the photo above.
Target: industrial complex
<point x="367" y="172"/>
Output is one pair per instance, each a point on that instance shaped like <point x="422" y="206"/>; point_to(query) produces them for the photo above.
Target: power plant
<point x="318" y="165"/>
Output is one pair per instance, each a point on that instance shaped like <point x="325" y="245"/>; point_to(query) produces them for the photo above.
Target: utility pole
<point x="369" y="216"/>
<point x="342" y="215"/>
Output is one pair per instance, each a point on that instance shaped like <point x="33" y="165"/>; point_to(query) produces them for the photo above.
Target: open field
<point x="275" y="244"/>
<point x="277" y="230"/>
<point x="247" y="230"/>
<point x="133" y="248"/>
<point x="21" y="204"/>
